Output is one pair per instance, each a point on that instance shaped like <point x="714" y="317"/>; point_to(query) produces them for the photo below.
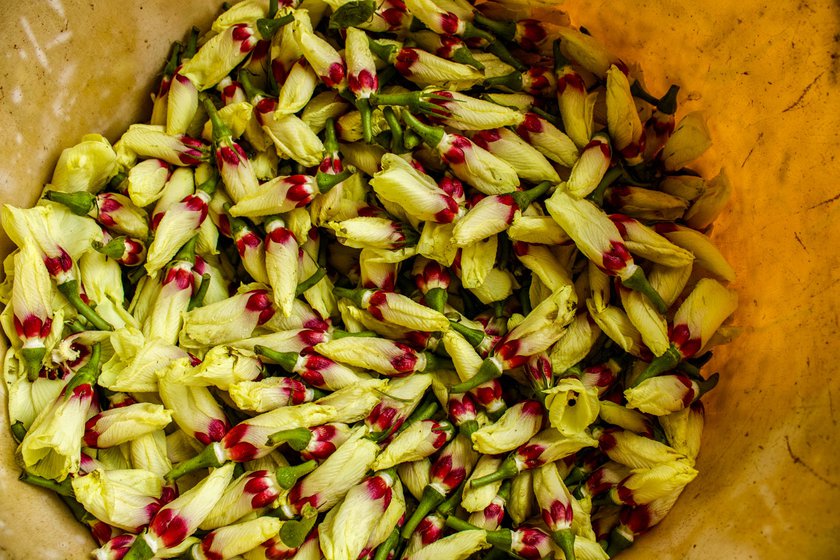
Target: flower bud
<point x="270" y="393"/>
<point x="548" y="140"/>
<point x="605" y="478"/>
<point x="193" y="408"/>
<point x="116" y="548"/>
<point x="127" y="499"/>
<point x="181" y="105"/>
<point x="646" y="243"/>
<point x="330" y="482"/>
<point x="347" y="527"/>
<point x="526" y="160"/>
<point x="178" y="519"/>
<point x="218" y="56"/>
<point x="146" y="181"/>
<point x="416" y="442"/>
<point x="476" y="499"/>
<point x="468" y="113"/>
<point x="708" y="206"/>
<point x="325" y="440"/>
<point x="430" y="530"/>
<point x="435" y="243"/>
<point x="575" y="343"/>
<point x="572" y="407"/>
<point x="474" y="165"/>
<point x="372" y="233"/>
<point x="458" y="546"/>
<point x="556" y="508"/>
<point x="537" y="229"/>
<point x="589" y="169"/>
<point x="623" y="120"/>
<point x="633" y="450"/>
<point x="176" y="227"/>
<point x="52" y="445"/>
<point x="576" y="104"/>
<point x="149" y="141"/>
<point x="688" y="142"/>
<point x="684" y="428"/>
<point x="645" y="485"/>
<point x="378" y="354"/>
<point x="31" y="303"/>
<point x="522" y="504"/>
<point x="647" y="204"/>
<point x="291" y="136"/>
<point x="516" y="426"/>
<point x="148" y="452"/>
<point x="226" y="321"/>
<point x="281" y="260"/>
<point x="87" y="166"/>
<point x="355" y="402"/>
<point x="416" y="192"/>
<point x="120" y="425"/>
<point x="544" y="265"/>
<point x="222" y="367"/>
<point x="706" y="255"/>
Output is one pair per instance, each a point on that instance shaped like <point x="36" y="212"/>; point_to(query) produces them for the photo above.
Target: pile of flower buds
<point x="378" y="280"/>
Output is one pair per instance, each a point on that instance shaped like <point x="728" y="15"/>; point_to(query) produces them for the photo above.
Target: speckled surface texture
<point x="766" y="72"/>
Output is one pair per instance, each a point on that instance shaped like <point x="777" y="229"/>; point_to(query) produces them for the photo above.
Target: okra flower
<point x="181" y="222"/>
<point x="546" y="447"/>
<point x="469" y="162"/>
<point x="324" y="440"/>
<point x="430" y="530"/>
<point x="706" y="255"/>
<point x="623" y="118"/>
<point x="297" y="90"/>
<point x="476" y="499"/>
<point x="635" y="451"/>
<point x="695" y="322"/>
<point x="52" y="447"/>
<point x="643" y="241"/>
<point x="112" y="210"/>
<point x="449" y="470"/>
<point x="226" y="321"/>
<point x="530" y="34"/>
<point x="526" y="542"/>
<point x="178" y="519"/>
<point x="233" y="540"/>
<point x="31" y="304"/>
<point x="688" y="142"/>
<point x="416" y="442"/>
<point x="250" y="247"/>
<point x="645" y="485"/>
<point x="446" y="46"/>
<point x="572" y="407"/>
<point x="493" y="214"/>
<point x="543" y="326"/>
<point x="458" y="546"/>
<point x="120" y="425"/>
<point x="268" y="394"/>
<point x="316" y="370"/>
<point x="331" y="481"/>
<point x="599" y="239"/>
<point x="218" y="56"/>
<point x="537" y="229"/>
<point x="193" y="408"/>
<point x="646" y="204"/>
<point x="372" y="233"/>
<point x="389" y="15"/>
<point x="522" y="504"/>
<point x="665" y="394"/>
<point x="468" y="113"/>
<point x="396" y="405"/>
<point x="277" y="196"/>
<point x="116" y="548"/>
<point x="291" y="136"/>
<point x="347" y="527"/>
<point x="150" y="141"/>
<point x="575" y="103"/>
<point x="626" y="418"/>
<point x="324" y="59"/>
<point x="526" y="160"/>
<point x="397" y="309"/>
<point x="251" y="492"/>
<point x="127" y="499"/>
<point x="587" y="51"/>
<point x="177" y="288"/>
<point x="555" y="503"/>
<point x="544" y="265"/>
<point x="181" y="104"/>
<point x="589" y="169"/>
<point x="87" y="166"/>
<point x="517" y="425"/>
<point x="378" y="354"/>
<point x="425" y="69"/>
<point x="710" y="203"/>
<point x="492" y="516"/>
<point x="548" y="140"/>
<point x="684" y="428"/>
<point x="136" y="361"/>
<point x="399" y="182"/>
<point x="281" y="263"/>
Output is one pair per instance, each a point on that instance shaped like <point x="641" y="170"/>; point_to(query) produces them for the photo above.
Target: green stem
<point x="436" y="299"/>
<point x="80" y="203"/>
<point x="488" y="371"/>
<point x="70" y="290"/>
<point x="508" y="469"/>
<point x="210" y="456"/>
<point x="32" y="358"/>
<point x="459" y="524"/>
<point x="316" y="277"/>
<point x="668" y="102"/>
<point x="330" y="138"/>
<point x="62" y="488"/>
<point x="707" y="385"/>
<point x="512" y="81"/>
<point x="553" y="119"/>
<point x="209" y="186"/>
<point x="425" y="411"/>
<point x="114" y="249"/>
<point x="198" y="298"/>
<point x="559" y="60"/>
<point x="139" y="550"/>
<point x="187" y="251"/>
<point x="505" y="30"/>
<point x="286" y="360"/>
<point x="475" y="337"/>
<point x="192" y="43"/>
<point x="660" y="364"/>
<point x="366" y="112"/>
<point x="504" y="55"/>
<point x="220" y="129"/>
<point x="356" y="296"/>
<point x="468" y="428"/>
<point x="268" y="27"/>
<point x="597" y="196"/>
<point x="293" y="533"/>
<point x="396" y="130"/>
<point x="352" y="13"/>
<point x="172" y="61"/>
<point x="288" y="476"/>
<point x="451" y="504"/>
<point x="524" y="199"/>
<point x="473" y="32"/>
<point x="435" y="363"/>
<point x="252" y="92"/>
<point x="565" y="539"/>
<point x="463" y="55"/>
<point x="386" y="547"/>
<point x="637" y="90"/>
<point x="272" y="9"/>
<point x="338" y="333"/>
<point x="617" y="543"/>
<point x="429" y="501"/>
<point x="297" y="438"/>
<point x="411" y="140"/>
<point x="639" y="282"/>
<point x="431" y="135"/>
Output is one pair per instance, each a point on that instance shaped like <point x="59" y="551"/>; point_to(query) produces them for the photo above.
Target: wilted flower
<point x="193" y="408"/>
<point x="645" y="485"/>
<point x="684" y="428"/>
<point x="416" y="442"/>
<point x="150" y="141"/>
<point x="120" y="425"/>
<point x="572" y="407"/>
<point x="218" y="56"/>
<point x="226" y="321"/>
<point x="688" y="142"/>
<point x="401" y="183"/>
<point x="633" y="450"/>
<point x="127" y="499"/>
<point x="87" y="166"/>
<point x="516" y="426"/>
<point x="706" y="255"/>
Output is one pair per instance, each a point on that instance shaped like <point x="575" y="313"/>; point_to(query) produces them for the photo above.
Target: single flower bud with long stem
<point x="112" y="210"/>
<point x="425" y="69"/>
<point x="233" y="164"/>
<point x="526" y="160"/>
<point x="555" y="503"/>
<point x="250" y="492"/>
<point x="588" y="171"/>
<point x="119" y="425"/>
<point x="31" y="302"/>
<point x="449" y="47"/>
<point x="576" y="104"/>
<point x="396" y="308"/>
